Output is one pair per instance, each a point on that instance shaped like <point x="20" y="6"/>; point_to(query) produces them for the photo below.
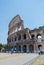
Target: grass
<point x="39" y="61"/>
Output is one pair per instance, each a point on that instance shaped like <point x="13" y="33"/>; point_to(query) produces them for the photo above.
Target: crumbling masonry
<point x="23" y="39"/>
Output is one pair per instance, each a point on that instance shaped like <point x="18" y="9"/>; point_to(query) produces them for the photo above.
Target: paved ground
<point x="17" y="59"/>
<point x="39" y="61"/>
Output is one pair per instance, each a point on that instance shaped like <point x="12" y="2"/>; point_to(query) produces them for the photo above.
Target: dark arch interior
<point x="15" y="38"/>
<point x="19" y="48"/>
<point x="19" y="37"/>
<point x="24" y="36"/>
<point x="32" y="36"/>
<point x="39" y="46"/>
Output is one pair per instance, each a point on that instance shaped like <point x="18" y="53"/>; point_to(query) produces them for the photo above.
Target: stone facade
<point x="23" y="39"/>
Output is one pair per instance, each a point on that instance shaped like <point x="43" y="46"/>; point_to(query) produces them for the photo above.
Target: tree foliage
<point x="5" y="46"/>
<point x="0" y="46"/>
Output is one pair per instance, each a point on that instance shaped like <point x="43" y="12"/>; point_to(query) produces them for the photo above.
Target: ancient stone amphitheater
<point x="22" y="39"/>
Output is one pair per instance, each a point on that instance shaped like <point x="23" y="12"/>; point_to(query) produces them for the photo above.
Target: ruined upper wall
<point x="16" y="24"/>
<point x="17" y="19"/>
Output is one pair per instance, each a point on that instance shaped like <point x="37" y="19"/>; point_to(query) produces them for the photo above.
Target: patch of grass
<point x="39" y="61"/>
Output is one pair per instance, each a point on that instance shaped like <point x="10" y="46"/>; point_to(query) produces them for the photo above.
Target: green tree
<point x="5" y="46"/>
<point x="0" y="46"/>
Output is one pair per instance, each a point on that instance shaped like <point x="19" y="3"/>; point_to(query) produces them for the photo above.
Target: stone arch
<point x="24" y="36"/>
<point x="19" y="37"/>
<point x="18" y="48"/>
<point x="32" y="36"/>
<point x="31" y="48"/>
<point x="39" y="36"/>
<point x="24" y="48"/>
<point x="39" y="47"/>
<point x="15" y="39"/>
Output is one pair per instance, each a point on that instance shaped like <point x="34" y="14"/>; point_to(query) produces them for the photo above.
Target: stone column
<point x="21" y="49"/>
<point x="27" y="48"/>
<point x="42" y="35"/>
<point x="21" y="37"/>
<point x="22" y="27"/>
<point x="35" y="48"/>
<point x="35" y="44"/>
<point x="27" y="36"/>
<point x="17" y="37"/>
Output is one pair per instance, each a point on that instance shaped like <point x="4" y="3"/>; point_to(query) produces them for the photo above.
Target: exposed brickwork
<point x="24" y="39"/>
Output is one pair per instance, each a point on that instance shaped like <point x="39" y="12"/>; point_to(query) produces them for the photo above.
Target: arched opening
<point x="39" y="37"/>
<point x="18" y="48"/>
<point x="24" y="49"/>
<point x="24" y="36"/>
<point x="15" y="39"/>
<point x="32" y="36"/>
<point x="31" y="48"/>
<point x="40" y="47"/>
<point x="19" y="37"/>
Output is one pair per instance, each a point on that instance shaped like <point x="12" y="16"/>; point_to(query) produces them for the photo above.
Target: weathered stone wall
<point x="23" y="38"/>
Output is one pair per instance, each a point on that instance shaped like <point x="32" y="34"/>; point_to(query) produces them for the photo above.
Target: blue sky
<point x="31" y="11"/>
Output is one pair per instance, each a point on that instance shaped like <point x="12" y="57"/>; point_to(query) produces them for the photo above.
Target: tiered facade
<point x="22" y="39"/>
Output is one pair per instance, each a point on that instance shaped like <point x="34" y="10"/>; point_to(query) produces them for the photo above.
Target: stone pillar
<point x="22" y="27"/>
<point x="21" y="49"/>
<point x="21" y="37"/>
<point x="27" y="36"/>
<point x="35" y="48"/>
<point x="27" y="48"/>
<point x="17" y="37"/>
<point x="35" y="44"/>
<point x="42" y="36"/>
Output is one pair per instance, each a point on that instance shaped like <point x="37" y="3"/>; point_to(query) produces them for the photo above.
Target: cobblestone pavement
<point x="17" y="59"/>
<point x="39" y="61"/>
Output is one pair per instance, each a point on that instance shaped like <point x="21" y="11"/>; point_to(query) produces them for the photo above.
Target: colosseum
<point x="22" y="39"/>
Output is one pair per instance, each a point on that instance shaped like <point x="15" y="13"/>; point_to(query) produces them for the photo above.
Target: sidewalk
<point x="17" y="59"/>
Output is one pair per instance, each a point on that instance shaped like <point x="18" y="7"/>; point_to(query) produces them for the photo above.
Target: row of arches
<point x="16" y="38"/>
<point x="38" y="36"/>
<point x="19" y="37"/>
<point x="19" y="48"/>
<point x="24" y="48"/>
<point x="31" y="48"/>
